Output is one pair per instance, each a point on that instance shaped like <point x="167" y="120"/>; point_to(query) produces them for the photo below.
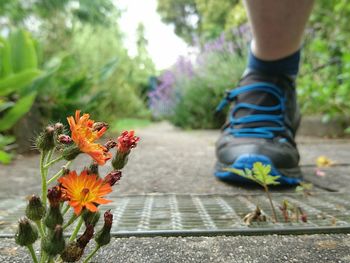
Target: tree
<point x="54" y="20"/>
<point x="204" y="19"/>
<point x="17" y="12"/>
<point x="183" y="14"/>
<point x="145" y="66"/>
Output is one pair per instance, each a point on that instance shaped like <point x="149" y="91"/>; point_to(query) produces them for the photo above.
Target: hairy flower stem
<point x="65" y="210"/>
<point x="77" y="228"/>
<point x="32" y="253"/>
<point x="49" y="156"/>
<point x="59" y="174"/>
<point x="40" y="227"/>
<point x="53" y="162"/>
<point x="91" y="254"/>
<point x="43" y="257"/>
<point x="271" y="203"/>
<point x="43" y="178"/>
<point x="43" y="172"/>
<point x="53" y="178"/>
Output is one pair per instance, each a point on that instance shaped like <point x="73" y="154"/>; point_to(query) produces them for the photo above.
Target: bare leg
<point x="277" y="25"/>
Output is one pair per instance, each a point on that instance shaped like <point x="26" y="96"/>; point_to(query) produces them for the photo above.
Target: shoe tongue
<point x="259" y="98"/>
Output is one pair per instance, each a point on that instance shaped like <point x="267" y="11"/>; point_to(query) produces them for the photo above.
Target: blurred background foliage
<point x="57" y="56"/>
<point x="19" y="67"/>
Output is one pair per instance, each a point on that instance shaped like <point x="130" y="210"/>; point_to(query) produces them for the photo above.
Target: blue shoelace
<point x="255" y="132"/>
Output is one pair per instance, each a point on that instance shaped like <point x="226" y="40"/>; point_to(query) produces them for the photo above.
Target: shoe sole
<point x="291" y="176"/>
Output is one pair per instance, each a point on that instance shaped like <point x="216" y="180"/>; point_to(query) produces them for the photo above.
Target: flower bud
<point x="65" y="171"/>
<point x="93" y="168"/>
<point x="59" y="128"/>
<point x="103" y="237"/>
<point x="120" y="160"/>
<point x="71" y="152"/>
<point x="45" y="140"/>
<point x="75" y="249"/>
<point x="303" y="215"/>
<point x="85" y="238"/>
<point x="72" y="252"/>
<point x="26" y="233"/>
<point x="64" y="139"/>
<point x="54" y="195"/>
<point x="53" y="217"/>
<point x="127" y="141"/>
<point x="64" y="197"/>
<point x="98" y="126"/>
<point x="304" y="218"/>
<point x="54" y="243"/>
<point x="112" y="177"/>
<point x="35" y="210"/>
<point x="90" y="218"/>
<point x="110" y="144"/>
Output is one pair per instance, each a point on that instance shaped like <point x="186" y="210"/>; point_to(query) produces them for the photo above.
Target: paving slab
<point x="169" y="160"/>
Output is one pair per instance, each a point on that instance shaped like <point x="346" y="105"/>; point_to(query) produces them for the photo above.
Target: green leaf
<point x="235" y="171"/>
<point x="6" y="105"/>
<point x="5" y="158"/>
<point x="259" y="174"/>
<point x="22" y="106"/>
<point x="5" y="58"/>
<point x="272" y="180"/>
<point x="16" y="82"/>
<point x="261" y="170"/>
<point x="76" y="87"/>
<point x="6" y="140"/>
<point x="262" y="174"/>
<point x="23" y="51"/>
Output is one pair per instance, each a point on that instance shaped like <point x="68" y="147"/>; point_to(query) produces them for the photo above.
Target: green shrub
<point x="189" y="93"/>
<point x="95" y="75"/>
<point x="115" y="94"/>
<point x="203" y="92"/>
<point x="324" y="80"/>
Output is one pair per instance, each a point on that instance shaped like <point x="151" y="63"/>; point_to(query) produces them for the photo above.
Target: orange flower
<point x="84" y="134"/>
<point x="84" y="191"/>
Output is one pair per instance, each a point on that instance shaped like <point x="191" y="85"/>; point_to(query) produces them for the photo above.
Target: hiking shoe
<point x="261" y="127"/>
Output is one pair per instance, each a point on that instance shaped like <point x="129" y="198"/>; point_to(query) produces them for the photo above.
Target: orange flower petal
<point x="84" y="190"/>
<point x="84" y="137"/>
<point x="77" y="209"/>
<point x="102" y="201"/>
<point x="91" y="207"/>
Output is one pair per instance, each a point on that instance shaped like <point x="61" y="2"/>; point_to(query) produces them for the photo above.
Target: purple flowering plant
<point x="215" y="66"/>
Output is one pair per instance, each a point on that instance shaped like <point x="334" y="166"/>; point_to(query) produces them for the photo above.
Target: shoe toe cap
<point x="282" y="154"/>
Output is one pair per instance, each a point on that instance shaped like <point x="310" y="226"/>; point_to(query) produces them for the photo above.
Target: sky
<point x="164" y="46"/>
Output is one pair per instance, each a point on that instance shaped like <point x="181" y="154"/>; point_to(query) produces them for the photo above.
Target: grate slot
<point x="146" y="214"/>
<point x="229" y="213"/>
<point x="119" y="212"/>
<point x="176" y="221"/>
<point x="207" y="221"/>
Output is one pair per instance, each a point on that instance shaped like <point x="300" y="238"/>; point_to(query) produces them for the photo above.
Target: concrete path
<point x="169" y="160"/>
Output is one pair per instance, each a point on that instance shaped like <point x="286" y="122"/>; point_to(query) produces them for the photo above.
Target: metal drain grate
<point x="181" y="215"/>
